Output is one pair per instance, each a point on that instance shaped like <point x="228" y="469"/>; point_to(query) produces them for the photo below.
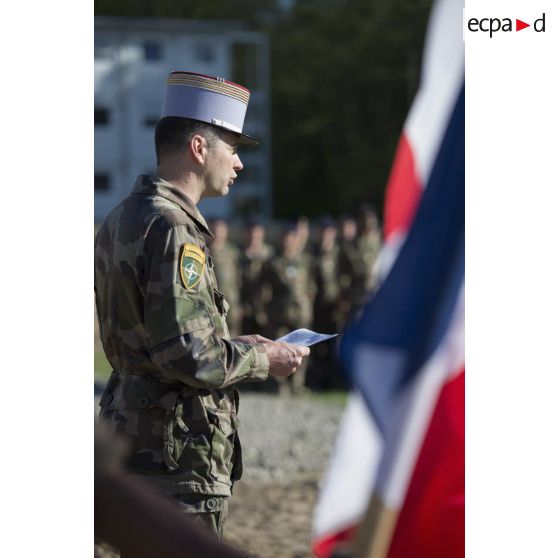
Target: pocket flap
<point x="225" y="421"/>
<point x="139" y="393"/>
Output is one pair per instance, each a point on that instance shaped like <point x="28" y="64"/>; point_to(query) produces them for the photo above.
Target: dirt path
<point x="272" y="520"/>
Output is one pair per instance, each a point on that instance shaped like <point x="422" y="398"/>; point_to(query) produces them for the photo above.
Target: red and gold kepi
<point x="213" y="100"/>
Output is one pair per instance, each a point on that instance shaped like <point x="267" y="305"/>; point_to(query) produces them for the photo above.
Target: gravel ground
<point x="286" y="445"/>
<point x="283" y="438"/>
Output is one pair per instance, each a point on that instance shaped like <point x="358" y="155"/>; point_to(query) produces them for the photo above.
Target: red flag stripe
<point x="432" y="520"/>
<point x="403" y="191"/>
<point x="324" y="546"/>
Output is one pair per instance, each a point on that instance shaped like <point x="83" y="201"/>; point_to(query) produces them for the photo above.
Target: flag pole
<point x="374" y="534"/>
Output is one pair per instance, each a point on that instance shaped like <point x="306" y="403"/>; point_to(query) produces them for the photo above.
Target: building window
<point x="102" y="116"/>
<point x="152" y="51"/>
<point x="205" y="52"/>
<point x="102" y="182"/>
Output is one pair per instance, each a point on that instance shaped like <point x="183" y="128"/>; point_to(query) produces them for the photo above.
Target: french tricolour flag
<point x="395" y="486"/>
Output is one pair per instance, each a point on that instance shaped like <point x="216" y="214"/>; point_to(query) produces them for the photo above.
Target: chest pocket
<point x="220" y="303"/>
<point x="220" y="317"/>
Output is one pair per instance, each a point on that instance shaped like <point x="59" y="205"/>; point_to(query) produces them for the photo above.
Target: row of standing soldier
<point x="298" y="285"/>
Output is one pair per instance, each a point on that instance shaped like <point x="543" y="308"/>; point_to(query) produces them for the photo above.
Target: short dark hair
<point x="173" y="133"/>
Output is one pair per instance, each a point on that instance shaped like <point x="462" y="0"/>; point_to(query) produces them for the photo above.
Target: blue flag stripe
<point x="406" y="319"/>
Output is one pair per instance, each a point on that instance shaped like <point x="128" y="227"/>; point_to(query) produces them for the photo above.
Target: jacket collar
<point x="153" y="185"/>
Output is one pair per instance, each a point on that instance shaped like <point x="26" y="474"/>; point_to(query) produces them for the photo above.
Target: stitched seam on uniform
<point x="143" y="241"/>
<point x="184" y="330"/>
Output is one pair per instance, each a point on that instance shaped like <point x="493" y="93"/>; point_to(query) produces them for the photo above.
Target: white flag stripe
<point x="441" y="79"/>
<point x="346" y="487"/>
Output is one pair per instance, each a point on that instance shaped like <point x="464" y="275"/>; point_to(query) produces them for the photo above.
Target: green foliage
<point x="344" y="75"/>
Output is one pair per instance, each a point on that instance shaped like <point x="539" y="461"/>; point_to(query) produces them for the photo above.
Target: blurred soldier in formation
<point x="303" y="237"/>
<point x="288" y="293"/>
<point x="226" y="261"/>
<point x="369" y="243"/>
<point x="326" y="278"/>
<point x="358" y="251"/>
<point x="348" y="263"/>
<point x="322" y="371"/>
<point x="302" y="234"/>
<point x="252" y="259"/>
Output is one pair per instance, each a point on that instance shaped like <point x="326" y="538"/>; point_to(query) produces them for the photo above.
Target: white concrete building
<point x="132" y="60"/>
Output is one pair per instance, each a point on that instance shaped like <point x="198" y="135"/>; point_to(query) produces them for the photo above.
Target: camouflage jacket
<point x="289" y="293"/>
<point x="352" y="273"/>
<point x="368" y="247"/>
<point x="251" y="293"/>
<point x="327" y="315"/>
<point x="326" y="277"/>
<point x="162" y="324"/>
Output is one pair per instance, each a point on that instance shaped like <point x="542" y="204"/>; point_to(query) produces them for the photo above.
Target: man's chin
<point x="216" y="193"/>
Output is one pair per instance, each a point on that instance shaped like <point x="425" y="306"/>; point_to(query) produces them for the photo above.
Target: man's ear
<point x="198" y="148"/>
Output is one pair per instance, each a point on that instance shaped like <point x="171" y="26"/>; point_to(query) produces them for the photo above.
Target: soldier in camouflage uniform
<point x="162" y="318"/>
<point x="326" y="278"/>
<point x="368" y="243"/>
<point x="226" y="262"/>
<point x="302" y="228"/>
<point x="288" y="292"/>
<point x="359" y="248"/>
<point x="322" y="369"/>
<point x="302" y="234"/>
<point x="349" y="267"/>
<point x="253" y="257"/>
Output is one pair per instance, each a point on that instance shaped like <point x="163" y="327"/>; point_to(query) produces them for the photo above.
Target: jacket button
<point x="108" y="399"/>
<point x="143" y="402"/>
<point x="211" y="504"/>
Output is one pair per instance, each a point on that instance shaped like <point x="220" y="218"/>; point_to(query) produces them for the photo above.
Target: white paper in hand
<point x="305" y="337"/>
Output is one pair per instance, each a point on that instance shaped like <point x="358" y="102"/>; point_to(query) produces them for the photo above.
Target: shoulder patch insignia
<point x="192" y="263"/>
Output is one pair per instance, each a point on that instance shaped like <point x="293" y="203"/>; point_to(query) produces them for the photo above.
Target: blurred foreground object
<point x="133" y="518"/>
<point x="400" y="455"/>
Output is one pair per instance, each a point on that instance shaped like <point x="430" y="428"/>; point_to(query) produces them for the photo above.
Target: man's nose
<point x="238" y="166"/>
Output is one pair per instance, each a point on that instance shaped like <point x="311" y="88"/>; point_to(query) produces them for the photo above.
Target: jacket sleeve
<point x="181" y="315"/>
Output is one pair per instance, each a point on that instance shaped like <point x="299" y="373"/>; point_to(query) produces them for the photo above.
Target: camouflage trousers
<point x="211" y="511"/>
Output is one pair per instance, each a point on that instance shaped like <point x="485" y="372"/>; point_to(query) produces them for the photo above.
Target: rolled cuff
<point x="259" y="369"/>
